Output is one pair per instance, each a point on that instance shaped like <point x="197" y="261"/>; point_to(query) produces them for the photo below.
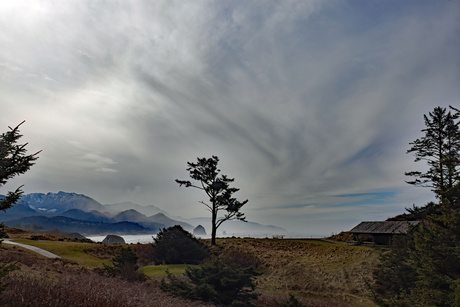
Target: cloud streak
<point x="301" y="100"/>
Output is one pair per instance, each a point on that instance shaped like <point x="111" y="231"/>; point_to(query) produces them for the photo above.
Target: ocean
<point x="143" y="239"/>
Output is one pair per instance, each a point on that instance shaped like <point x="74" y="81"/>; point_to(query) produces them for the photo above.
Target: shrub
<point x="292" y="302"/>
<point x="125" y="266"/>
<point x="215" y="281"/>
<point x="174" y="245"/>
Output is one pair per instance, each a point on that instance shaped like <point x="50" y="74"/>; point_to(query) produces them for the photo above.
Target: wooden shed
<point x="381" y="233"/>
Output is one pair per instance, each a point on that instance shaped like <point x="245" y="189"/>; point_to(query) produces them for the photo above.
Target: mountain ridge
<point x="80" y="209"/>
<point x="84" y="227"/>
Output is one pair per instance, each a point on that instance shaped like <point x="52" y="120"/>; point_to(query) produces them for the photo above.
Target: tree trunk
<point x="213" y="224"/>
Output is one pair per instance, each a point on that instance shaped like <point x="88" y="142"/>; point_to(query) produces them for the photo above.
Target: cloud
<point x="302" y="101"/>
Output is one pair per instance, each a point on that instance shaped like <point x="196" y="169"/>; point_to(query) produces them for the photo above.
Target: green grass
<point x="68" y="250"/>
<point x="158" y="271"/>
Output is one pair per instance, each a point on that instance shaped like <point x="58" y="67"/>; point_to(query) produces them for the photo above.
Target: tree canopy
<point x="423" y="269"/>
<point x="13" y="162"/>
<point x="175" y="245"/>
<point x="217" y="188"/>
<point x="440" y="148"/>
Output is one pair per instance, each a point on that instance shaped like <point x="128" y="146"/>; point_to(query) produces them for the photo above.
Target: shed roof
<point x="388" y="227"/>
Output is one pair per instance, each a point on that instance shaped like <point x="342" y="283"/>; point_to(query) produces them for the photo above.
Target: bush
<point x="174" y="245"/>
<point x="125" y="266"/>
<point x="215" y="281"/>
<point x="292" y="302"/>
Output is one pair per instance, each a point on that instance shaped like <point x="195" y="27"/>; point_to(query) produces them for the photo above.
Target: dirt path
<point x="32" y="248"/>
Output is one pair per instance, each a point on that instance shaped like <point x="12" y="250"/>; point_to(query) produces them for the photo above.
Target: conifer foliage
<point x="440" y="148"/>
<point x="13" y="161"/>
<point x="175" y="245"/>
<point x="224" y="282"/>
<point x="424" y="268"/>
<point x="217" y="188"/>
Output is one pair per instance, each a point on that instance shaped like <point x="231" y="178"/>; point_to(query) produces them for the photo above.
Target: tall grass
<point x="82" y="289"/>
<point x="318" y="273"/>
<point x="59" y="282"/>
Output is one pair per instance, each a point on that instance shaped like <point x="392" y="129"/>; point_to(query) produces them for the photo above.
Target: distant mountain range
<point x="241" y="229"/>
<point x="60" y="202"/>
<point x="77" y="213"/>
<point x="147" y="210"/>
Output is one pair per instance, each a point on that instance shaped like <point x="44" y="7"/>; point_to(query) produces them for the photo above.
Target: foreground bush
<point x="226" y="279"/>
<point x="124" y="265"/>
<point x="174" y="245"/>
<point x="215" y="281"/>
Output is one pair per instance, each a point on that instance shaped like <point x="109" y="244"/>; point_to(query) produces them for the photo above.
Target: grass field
<point x="159" y="271"/>
<point x="72" y="251"/>
<point x="316" y="272"/>
<point x="323" y="273"/>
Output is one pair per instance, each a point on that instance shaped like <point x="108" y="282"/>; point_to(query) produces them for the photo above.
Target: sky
<point x="310" y="105"/>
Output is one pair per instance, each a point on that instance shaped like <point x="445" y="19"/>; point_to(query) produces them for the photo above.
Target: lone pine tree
<point x="217" y="188"/>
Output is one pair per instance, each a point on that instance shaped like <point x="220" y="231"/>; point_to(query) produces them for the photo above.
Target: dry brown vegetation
<point x="344" y="236"/>
<point x="15" y="233"/>
<point x="56" y="282"/>
<point x="317" y="273"/>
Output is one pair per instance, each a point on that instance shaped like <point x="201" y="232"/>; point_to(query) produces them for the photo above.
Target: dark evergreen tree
<point x="174" y="245"/>
<point x="13" y="161"/>
<point x="439" y="147"/>
<point x="436" y="259"/>
<point x="436" y="253"/>
<point x="424" y="270"/>
<point x="222" y="283"/>
<point x="395" y="275"/>
<point x="218" y="190"/>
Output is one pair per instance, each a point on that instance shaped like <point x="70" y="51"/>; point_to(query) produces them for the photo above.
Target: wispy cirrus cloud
<point x="303" y="101"/>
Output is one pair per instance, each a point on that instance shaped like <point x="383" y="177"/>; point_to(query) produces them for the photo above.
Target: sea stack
<point x="199" y="231"/>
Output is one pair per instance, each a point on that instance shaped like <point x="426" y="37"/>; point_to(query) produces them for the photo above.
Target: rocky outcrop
<point x="199" y="231"/>
<point x="113" y="239"/>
